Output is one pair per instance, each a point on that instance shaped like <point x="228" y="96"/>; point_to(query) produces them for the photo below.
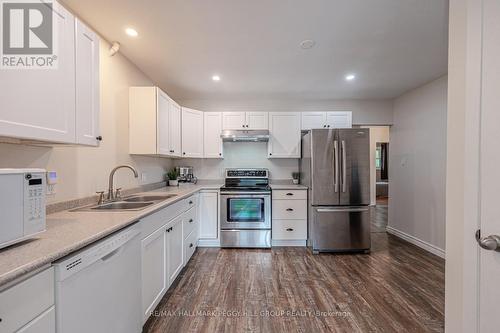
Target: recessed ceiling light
<point x="350" y="77"/>
<point x="307" y="44"/>
<point x="131" y="32"/>
<point x="216" y="78"/>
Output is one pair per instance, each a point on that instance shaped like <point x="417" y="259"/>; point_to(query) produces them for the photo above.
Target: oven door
<point x="245" y="210"/>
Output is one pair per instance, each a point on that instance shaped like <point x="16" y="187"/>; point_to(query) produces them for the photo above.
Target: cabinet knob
<point x="270" y="154"/>
<point x="324" y="126"/>
<point x="220" y="154"/>
<point x="98" y="138"/>
<point x="190" y="220"/>
<point x="289" y="209"/>
<point x="289" y="193"/>
<point x="191" y="245"/>
<point x="242" y="125"/>
<point x="183" y="153"/>
<point x="171" y="151"/>
<point x="190" y="202"/>
<point x="289" y="229"/>
<point x="328" y="126"/>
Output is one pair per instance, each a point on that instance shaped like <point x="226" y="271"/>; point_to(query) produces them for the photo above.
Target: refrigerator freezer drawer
<point x="341" y="229"/>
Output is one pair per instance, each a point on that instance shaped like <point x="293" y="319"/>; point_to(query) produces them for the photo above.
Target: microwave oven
<point x="22" y="204"/>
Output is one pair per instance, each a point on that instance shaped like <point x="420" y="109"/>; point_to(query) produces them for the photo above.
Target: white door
<point x="339" y="119"/>
<point x="154" y="270"/>
<point x="39" y="104"/>
<point x="209" y="215"/>
<point x="233" y="120"/>
<point x="284" y="130"/>
<point x="489" y="261"/>
<point x="175" y="129"/>
<point x="312" y="120"/>
<point x="257" y="120"/>
<point x="212" y="124"/>
<point x="87" y="85"/>
<point x="175" y="249"/>
<point x="192" y="133"/>
<point x="163" y="128"/>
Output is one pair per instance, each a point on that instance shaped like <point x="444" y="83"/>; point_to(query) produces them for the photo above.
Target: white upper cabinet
<point x="284" y="141"/>
<point x="233" y="120"/>
<point x="192" y="133"/>
<point x="212" y="142"/>
<point x="257" y="120"/>
<point x="333" y="119"/>
<point x="339" y="119"/>
<point x="39" y="104"/>
<point x="154" y="123"/>
<point x="245" y="120"/>
<point x="87" y="85"/>
<point x="312" y="120"/>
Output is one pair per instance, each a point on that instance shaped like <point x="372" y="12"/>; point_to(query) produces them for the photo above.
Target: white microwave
<point x="22" y="204"/>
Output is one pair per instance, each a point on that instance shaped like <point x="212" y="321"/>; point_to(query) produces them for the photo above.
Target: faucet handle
<point x="118" y="193"/>
<point x="101" y="197"/>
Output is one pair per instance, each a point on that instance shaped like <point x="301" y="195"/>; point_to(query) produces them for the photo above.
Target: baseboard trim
<point x="208" y="243"/>
<point x="416" y="241"/>
<point x="288" y="242"/>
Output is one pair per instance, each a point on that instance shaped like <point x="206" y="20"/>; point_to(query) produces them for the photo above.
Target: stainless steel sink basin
<point x="147" y="198"/>
<point x="122" y="205"/>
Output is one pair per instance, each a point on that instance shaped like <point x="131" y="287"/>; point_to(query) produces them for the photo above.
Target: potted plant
<point x="295" y="177"/>
<point x="172" y="177"/>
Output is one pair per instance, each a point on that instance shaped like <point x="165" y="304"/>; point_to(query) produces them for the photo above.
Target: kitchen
<point x="168" y="185"/>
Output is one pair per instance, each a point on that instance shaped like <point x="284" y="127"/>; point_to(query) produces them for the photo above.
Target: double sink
<point x="131" y="203"/>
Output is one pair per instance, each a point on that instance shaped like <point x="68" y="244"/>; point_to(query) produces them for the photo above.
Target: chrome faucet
<point x="111" y="195"/>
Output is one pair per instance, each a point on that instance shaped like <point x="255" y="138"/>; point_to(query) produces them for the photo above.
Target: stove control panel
<point x="247" y="173"/>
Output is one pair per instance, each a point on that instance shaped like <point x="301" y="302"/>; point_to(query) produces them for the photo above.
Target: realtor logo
<point x="27" y="35"/>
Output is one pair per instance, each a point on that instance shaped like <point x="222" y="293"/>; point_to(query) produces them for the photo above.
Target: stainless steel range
<point x="245" y="209"/>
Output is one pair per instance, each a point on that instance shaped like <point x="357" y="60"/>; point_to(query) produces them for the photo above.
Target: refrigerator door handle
<point x="347" y="209"/>
<point x="336" y="165"/>
<point x="344" y="166"/>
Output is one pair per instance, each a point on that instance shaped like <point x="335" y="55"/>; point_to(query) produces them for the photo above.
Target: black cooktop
<point x="264" y="188"/>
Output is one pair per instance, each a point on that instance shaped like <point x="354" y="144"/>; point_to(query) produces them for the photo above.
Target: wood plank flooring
<point x="396" y="288"/>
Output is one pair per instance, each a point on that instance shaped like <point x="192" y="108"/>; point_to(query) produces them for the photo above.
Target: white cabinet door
<point x="175" y="249"/>
<point x="87" y="85"/>
<point x="233" y="120"/>
<point x="284" y="141"/>
<point x="163" y="125"/>
<point x="312" y="120"/>
<point x="175" y="129"/>
<point x="154" y="270"/>
<point x="212" y="142"/>
<point x="44" y="323"/>
<point x="39" y="104"/>
<point x="192" y="133"/>
<point x="339" y="119"/>
<point x="257" y="120"/>
<point x="209" y="215"/>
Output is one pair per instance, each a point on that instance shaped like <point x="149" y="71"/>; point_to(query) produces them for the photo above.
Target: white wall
<point x="364" y="112"/>
<point x="378" y="134"/>
<point x="417" y="164"/>
<point x="242" y="155"/>
<point x="84" y="170"/>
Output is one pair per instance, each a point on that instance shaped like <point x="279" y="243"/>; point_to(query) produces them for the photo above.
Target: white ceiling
<point x="391" y="45"/>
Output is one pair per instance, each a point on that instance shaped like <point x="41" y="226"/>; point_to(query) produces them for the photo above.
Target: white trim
<point x="208" y="243"/>
<point x="416" y="241"/>
<point x="289" y="242"/>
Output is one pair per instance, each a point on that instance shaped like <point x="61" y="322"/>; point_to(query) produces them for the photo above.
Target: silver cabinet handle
<point x="336" y="165"/>
<point x="491" y="242"/>
<point x="344" y="166"/>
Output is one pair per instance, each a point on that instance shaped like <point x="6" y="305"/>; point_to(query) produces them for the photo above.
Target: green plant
<point x="173" y="174"/>
<point x="295" y="175"/>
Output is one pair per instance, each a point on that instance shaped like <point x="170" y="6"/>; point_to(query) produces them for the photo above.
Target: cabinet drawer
<point x="289" y="210"/>
<point x="152" y="222"/>
<point x="289" y="229"/>
<point x="25" y="301"/>
<point x="44" y="323"/>
<point x="190" y="246"/>
<point x="192" y="201"/>
<point x="190" y="222"/>
<point x="289" y="194"/>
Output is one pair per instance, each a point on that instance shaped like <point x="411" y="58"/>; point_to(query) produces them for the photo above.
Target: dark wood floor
<point x="396" y="288"/>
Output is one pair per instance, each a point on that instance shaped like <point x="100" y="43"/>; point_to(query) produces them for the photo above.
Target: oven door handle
<point x="245" y="193"/>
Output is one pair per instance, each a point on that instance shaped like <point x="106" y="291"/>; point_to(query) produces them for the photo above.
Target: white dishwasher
<point x="99" y="288"/>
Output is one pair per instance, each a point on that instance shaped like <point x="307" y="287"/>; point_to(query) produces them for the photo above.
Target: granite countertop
<point x="68" y="232"/>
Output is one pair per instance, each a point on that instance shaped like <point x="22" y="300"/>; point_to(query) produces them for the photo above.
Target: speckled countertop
<point x="68" y="232"/>
<point x="285" y="184"/>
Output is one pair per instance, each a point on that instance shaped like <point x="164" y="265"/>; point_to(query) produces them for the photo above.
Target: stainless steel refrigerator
<point x="335" y="165"/>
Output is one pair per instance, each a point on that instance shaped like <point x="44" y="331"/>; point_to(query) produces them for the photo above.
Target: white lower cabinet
<point x="175" y="249"/>
<point x="29" y="305"/>
<point x="289" y="217"/>
<point x="209" y="218"/>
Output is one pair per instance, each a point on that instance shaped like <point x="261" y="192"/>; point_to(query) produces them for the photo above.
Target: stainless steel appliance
<point x="245" y="209"/>
<point x="335" y="165"/>
<point x="186" y="174"/>
<point x="245" y="136"/>
<point x="22" y="204"/>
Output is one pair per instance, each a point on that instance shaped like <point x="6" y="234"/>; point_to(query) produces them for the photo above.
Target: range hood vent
<point x="245" y="136"/>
